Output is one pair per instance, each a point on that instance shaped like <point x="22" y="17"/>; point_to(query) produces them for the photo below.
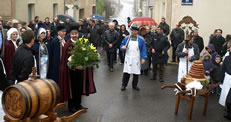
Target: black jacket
<point x="111" y="37"/>
<point x="176" y="36"/>
<point x="181" y="54"/>
<point x="121" y="37"/>
<point x="3" y="81"/>
<point x="94" y="35"/>
<point x="165" y="27"/>
<point x="148" y="40"/>
<point x="22" y="64"/>
<point x="200" y="42"/>
<point x="218" y="43"/>
<point x="226" y="67"/>
<point x="160" y="43"/>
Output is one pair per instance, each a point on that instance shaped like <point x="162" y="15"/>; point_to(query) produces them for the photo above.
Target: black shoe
<point x="161" y="80"/>
<point x="72" y="109"/>
<point x="136" y="88"/>
<point x="111" y="69"/>
<point x="123" y="88"/>
<point x="227" y="117"/>
<point x="80" y="108"/>
<point x="153" y="78"/>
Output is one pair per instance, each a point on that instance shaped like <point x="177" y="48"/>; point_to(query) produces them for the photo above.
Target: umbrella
<point x="97" y="16"/>
<point x="143" y="21"/>
<point x="63" y="18"/>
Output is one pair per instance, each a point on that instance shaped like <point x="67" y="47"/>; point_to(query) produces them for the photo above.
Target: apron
<point x="225" y="89"/>
<point x="182" y="64"/>
<point x="132" y="58"/>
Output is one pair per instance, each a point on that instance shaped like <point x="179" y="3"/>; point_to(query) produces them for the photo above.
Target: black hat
<point x="134" y="26"/>
<point x="61" y="28"/>
<point x="75" y="27"/>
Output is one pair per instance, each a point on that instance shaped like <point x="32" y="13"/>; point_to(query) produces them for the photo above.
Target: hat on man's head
<point x="134" y="26"/>
<point x="75" y="27"/>
<point x="61" y="28"/>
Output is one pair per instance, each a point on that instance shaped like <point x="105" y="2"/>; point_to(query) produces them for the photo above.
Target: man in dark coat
<point x="70" y="81"/>
<point x="165" y="26"/>
<point x="187" y="51"/>
<point x="67" y="25"/>
<point x="23" y="59"/>
<point x="55" y="49"/>
<point x="176" y="36"/>
<point x="198" y="40"/>
<point x="54" y="26"/>
<point x="218" y="41"/>
<point x="111" y="37"/>
<point x="47" y="22"/>
<point x="148" y="41"/>
<point x="94" y="33"/>
<point x="3" y="81"/>
<point x="160" y="47"/>
<point x="2" y="39"/>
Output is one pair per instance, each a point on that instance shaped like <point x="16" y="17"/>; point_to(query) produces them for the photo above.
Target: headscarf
<point x="40" y="31"/>
<point x="9" y="32"/>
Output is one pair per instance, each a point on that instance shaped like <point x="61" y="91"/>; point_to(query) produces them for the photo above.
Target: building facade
<point x="26" y="10"/>
<point x="80" y="9"/>
<point x="210" y="15"/>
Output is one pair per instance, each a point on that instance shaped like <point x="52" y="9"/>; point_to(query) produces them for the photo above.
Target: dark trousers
<point x="161" y="70"/>
<point x="126" y="77"/>
<point x="174" y="54"/>
<point x="77" y="88"/>
<point x="115" y="55"/>
<point x="122" y="56"/>
<point x="110" y="58"/>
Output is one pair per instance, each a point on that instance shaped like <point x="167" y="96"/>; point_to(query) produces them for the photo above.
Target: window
<point x="55" y="10"/>
<point x="93" y="9"/>
<point x="81" y="13"/>
<point x="31" y="12"/>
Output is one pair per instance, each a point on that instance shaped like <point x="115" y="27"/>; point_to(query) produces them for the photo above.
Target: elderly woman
<point x="41" y="53"/>
<point x="11" y="46"/>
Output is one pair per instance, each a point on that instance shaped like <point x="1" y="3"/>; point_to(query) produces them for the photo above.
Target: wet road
<point x="150" y="104"/>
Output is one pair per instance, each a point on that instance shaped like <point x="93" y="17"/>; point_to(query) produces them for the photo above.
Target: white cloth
<point x="132" y="58"/>
<point x="62" y="41"/>
<point x="226" y="54"/>
<point x="4" y="70"/>
<point x="40" y="31"/>
<point x="196" y="85"/>
<point x="183" y="62"/>
<point x="225" y="89"/>
<point x="9" y="32"/>
<point x="15" y="45"/>
<point x="73" y="41"/>
<point x="2" y="114"/>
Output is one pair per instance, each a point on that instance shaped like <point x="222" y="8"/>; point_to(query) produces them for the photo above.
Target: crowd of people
<point x="46" y="44"/>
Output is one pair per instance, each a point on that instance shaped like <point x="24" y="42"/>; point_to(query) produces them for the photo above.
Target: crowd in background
<point x="110" y="36"/>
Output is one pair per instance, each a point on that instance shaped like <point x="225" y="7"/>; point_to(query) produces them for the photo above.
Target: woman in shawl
<point x="41" y="53"/>
<point x="11" y="46"/>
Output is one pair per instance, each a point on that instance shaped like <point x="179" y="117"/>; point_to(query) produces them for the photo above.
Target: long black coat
<point x="121" y="37"/>
<point x="176" y="36"/>
<point x="111" y="37"/>
<point x="200" y="42"/>
<point x="94" y="35"/>
<point x="218" y="44"/>
<point x="160" y="43"/>
<point x="4" y="83"/>
<point x="22" y="64"/>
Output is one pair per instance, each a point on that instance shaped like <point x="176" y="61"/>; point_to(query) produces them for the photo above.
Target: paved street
<point x="150" y="104"/>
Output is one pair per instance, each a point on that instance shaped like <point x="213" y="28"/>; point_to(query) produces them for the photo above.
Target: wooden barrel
<point x="30" y="98"/>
